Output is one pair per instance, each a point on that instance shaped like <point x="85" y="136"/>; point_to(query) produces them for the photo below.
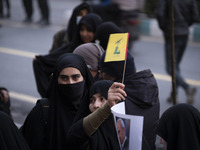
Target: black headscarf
<point x="44" y="65"/>
<point x="10" y="137"/>
<point x="115" y="68"/>
<point x="72" y="26"/>
<point x="103" y="32"/>
<point x="91" y="21"/>
<point x="100" y="87"/>
<point x="179" y="126"/>
<point x="64" y="105"/>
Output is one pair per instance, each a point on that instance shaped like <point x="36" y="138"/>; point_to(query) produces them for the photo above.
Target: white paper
<point x="133" y="128"/>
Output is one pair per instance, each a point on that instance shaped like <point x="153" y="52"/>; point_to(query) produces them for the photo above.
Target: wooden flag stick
<point x="124" y="71"/>
<point x="172" y="52"/>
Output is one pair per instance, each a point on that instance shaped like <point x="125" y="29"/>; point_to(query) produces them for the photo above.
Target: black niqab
<point x="61" y="114"/>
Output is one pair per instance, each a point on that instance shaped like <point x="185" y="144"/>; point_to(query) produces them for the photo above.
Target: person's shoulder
<point x="44" y="102"/>
<point x="143" y="73"/>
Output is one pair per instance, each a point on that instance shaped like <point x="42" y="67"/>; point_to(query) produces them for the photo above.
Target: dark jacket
<point x="185" y="14"/>
<point x="142" y="99"/>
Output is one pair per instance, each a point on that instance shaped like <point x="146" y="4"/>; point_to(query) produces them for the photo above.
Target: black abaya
<point x="62" y="110"/>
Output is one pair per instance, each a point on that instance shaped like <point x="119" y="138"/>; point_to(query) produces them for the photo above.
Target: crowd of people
<point x="78" y="89"/>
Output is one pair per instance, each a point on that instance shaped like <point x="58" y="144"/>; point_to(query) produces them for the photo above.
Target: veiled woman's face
<point x="86" y="35"/>
<point x="70" y="75"/>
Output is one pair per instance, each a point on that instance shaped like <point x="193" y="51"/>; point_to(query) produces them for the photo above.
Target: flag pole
<point x="124" y="71"/>
<point x="172" y="53"/>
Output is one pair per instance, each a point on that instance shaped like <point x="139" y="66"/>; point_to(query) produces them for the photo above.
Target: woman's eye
<point x="63" y="77"/>
<point x="92" y="101"/>
<point x="102" y="98"/>
<point x="76" y="77"/>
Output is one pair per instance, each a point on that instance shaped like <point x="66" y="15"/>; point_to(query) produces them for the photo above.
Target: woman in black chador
<point x="95" y="128"/>
<point x="46" y="126"/>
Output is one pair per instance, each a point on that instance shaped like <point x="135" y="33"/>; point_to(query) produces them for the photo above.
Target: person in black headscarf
<point x="103" y="32"/>
<point x="10" y="137"/>
<point x="68" y="88"/>
<point x="96" y="130"/>
<point x="65" y="36"/>
<point x="179" y="128"/>
<point x="43" y="65"/>
<point x="5" y="101"/>
<point x="142" y="90"/>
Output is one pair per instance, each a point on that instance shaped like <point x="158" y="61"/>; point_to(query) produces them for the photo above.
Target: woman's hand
<point x="116" y="93"/>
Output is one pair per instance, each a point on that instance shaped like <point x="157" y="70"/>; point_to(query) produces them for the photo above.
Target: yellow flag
<point x="117" y="47"/>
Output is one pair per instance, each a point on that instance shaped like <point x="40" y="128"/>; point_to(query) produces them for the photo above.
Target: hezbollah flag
<point x="117" y="47"/>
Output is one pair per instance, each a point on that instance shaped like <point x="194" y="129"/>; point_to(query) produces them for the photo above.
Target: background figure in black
<point x="5" y="101"/>
<point x="10" y="137"/>
<point x="44" y="10"/>
<point x="64" y="36"/>
<point x="2" y="3"/>
<point x="179" y="128"/>
<point x="185" y="14"/>
<point x="103" y="32"/>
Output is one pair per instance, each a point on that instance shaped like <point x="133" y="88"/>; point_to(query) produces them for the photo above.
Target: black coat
<point x="185" y="14"/>
<point x="142" y="99"/>
<point x="179" y="126"/>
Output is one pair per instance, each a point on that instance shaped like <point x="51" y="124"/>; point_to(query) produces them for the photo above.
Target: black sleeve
<point x="161" y="14"/>
<point x="33" y="128"/>
<point x="77" y="137"/>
